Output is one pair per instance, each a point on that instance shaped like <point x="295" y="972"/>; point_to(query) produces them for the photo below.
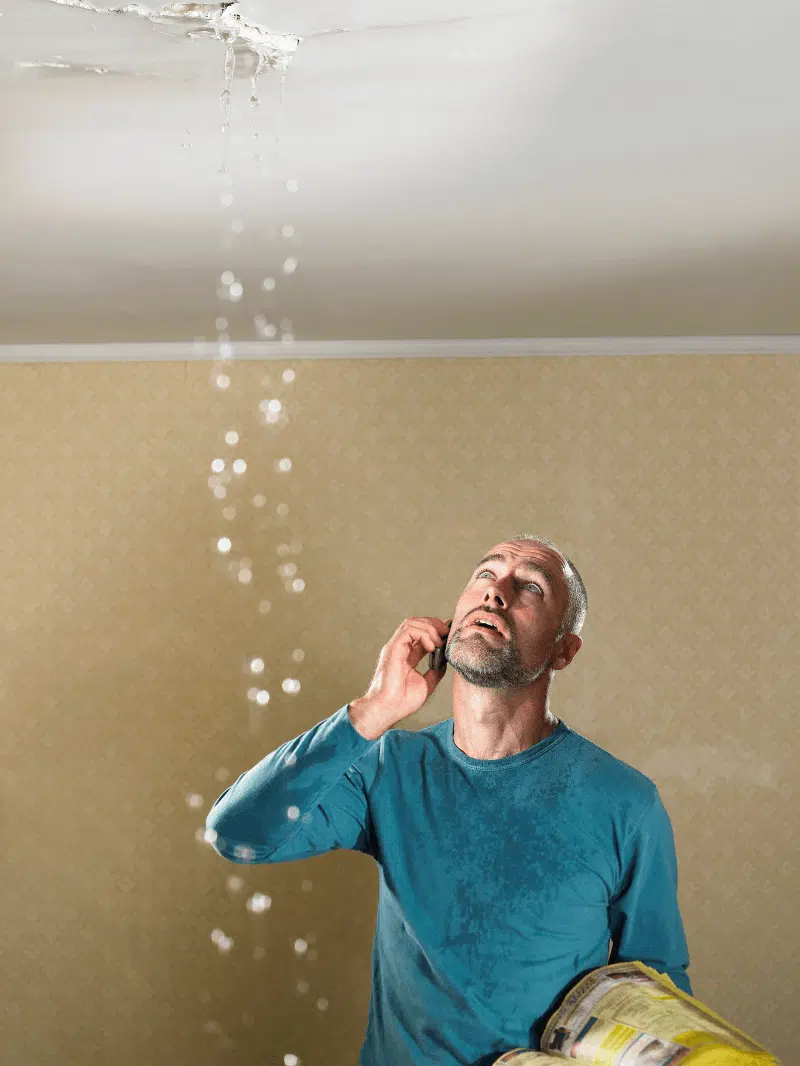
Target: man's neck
<point x="495" y="740"/>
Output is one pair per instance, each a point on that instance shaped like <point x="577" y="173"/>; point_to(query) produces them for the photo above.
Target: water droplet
<point x="227" y="277"/>
<point x="194" y="799"/>
<point x="239" y="466"/>
<point x="258" y="903"/>
<point x="264" y="327"/>
<point x="221" y="323"/>
<point x="292" y="185"/>
<point x="288" y="375"/>
<point x="224" y="544"/>
<point x="268" y="284"/>
<point x="224" y="943"/>
<point x="288" y="231"/>
<point x="231" y="437"/>
<point x="236" y="290"/>
<point x="289" y="265"/>
<point x="226" y="199"/>
<point x="256" y="666"/>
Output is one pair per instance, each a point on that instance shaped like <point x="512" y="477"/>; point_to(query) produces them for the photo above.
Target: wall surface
<point x="127" y="637"/>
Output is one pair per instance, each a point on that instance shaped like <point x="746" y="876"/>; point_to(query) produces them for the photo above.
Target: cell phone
<point x="437" y="658"/>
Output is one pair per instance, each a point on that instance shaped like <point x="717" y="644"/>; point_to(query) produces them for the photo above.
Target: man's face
<point x="528" y="607"/>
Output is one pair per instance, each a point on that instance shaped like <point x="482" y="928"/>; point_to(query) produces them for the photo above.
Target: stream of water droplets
<point x="230" y="291"/>
<point x="259" y="51"/>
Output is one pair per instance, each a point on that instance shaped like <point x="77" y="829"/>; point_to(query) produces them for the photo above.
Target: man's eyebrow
<point x="536" y="568"/>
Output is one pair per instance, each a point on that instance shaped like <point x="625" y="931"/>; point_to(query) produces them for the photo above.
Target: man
<point x="510" y="848"/>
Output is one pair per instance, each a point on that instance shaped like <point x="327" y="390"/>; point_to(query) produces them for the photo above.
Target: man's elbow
<point x="221" y="835"/>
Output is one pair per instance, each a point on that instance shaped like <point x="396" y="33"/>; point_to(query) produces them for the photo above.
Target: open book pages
<point x="627" y="1014"/>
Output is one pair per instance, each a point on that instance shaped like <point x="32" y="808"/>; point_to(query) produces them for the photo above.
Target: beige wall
<point x="672" y="483"/>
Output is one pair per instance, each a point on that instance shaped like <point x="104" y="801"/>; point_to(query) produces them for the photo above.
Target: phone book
<point x="627" y="1014"/>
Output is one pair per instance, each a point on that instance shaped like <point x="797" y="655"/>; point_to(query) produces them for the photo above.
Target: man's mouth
<point x="486" y="627"/>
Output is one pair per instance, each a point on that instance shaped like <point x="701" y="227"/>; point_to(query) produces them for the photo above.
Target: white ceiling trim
<point x="787" y="344"/>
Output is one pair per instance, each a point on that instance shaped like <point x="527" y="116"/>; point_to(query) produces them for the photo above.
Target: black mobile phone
<point x="437" y="660"/>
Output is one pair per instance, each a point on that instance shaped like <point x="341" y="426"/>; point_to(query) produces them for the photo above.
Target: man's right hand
<point x="398" y="689"/>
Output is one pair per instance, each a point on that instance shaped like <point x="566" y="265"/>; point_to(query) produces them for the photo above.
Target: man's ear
<point x="572" y="645"/>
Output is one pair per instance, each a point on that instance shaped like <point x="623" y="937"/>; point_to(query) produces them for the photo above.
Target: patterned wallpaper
<point x="130" y="700"/>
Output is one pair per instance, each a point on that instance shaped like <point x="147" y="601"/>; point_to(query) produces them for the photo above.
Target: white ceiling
<point x="471" y="168"/>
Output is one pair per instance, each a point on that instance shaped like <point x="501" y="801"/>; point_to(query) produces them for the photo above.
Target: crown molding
<point x="157" y="351"/>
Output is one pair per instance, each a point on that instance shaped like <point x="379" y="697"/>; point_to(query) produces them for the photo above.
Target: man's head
<point x="535" y="594"/>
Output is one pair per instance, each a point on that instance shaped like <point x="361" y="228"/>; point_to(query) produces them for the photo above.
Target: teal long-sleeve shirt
<point x="502" y="882"/>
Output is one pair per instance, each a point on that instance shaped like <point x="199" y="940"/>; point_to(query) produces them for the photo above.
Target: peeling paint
<point x="206" y="20"/>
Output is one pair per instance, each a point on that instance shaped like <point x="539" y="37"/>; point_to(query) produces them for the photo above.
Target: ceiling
<point x="464" y="169"/>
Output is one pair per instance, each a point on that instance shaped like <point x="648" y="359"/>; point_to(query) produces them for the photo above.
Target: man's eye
<point x="530" y="583"/>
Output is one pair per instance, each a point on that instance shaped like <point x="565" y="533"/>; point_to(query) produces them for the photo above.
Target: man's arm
<point x="644" y="918"/>
<point x="303" y="799"/>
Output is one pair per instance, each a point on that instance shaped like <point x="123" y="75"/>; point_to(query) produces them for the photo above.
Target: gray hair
<point x="575" y="612"/>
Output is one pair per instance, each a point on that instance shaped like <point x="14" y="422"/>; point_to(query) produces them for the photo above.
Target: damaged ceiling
<point x="462" y="169"/>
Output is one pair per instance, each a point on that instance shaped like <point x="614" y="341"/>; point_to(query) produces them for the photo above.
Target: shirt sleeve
<point x="644" y="918"/>
<point x="303" y="799"/>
